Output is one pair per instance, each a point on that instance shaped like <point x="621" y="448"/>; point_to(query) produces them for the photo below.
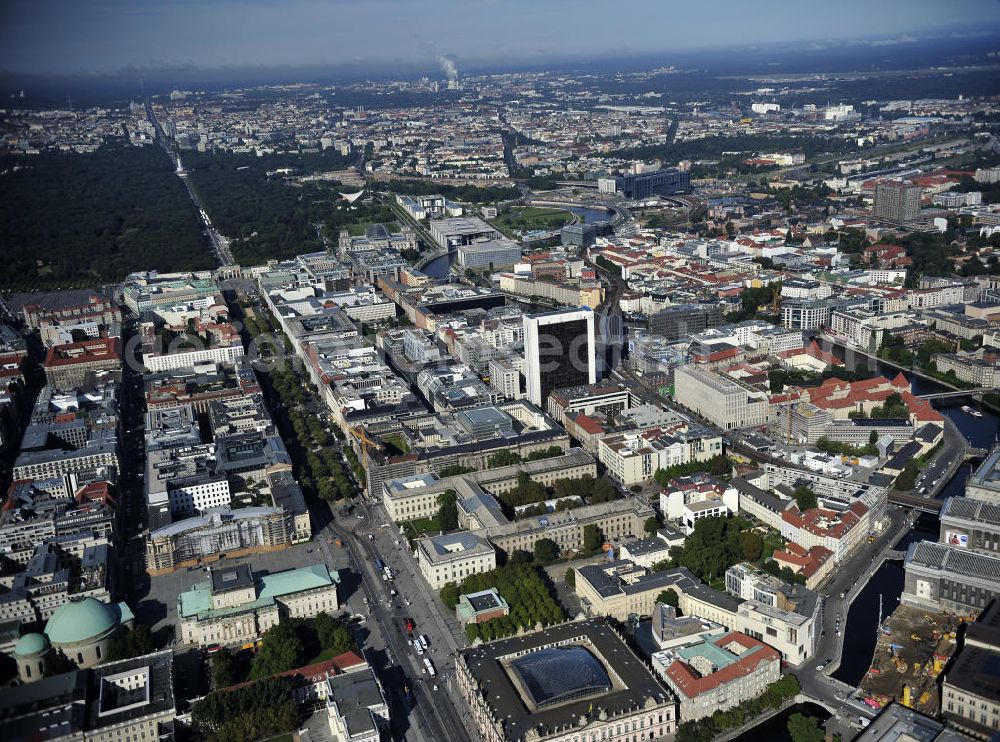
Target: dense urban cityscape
<point x="576" y="402"/>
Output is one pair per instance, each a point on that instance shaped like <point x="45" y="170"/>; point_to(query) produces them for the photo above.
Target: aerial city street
<point x="516" y="372"/>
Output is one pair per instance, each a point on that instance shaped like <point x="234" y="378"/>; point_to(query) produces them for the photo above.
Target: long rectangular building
<point x="618" y="520"/>
<point x="452" y="233"/>
<point x="218" y="534"/>
<point x="468" y="438"/>
<point x="945" y="577"/>
<point x="722" y="400"/>
<point x="415" y="496"/>
<point x="620" y="588"/>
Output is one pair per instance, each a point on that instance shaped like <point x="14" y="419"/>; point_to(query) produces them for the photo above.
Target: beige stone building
<point x="618" y="520"/>
<point x="453" y="557"/>
<point x="717" y="673"/>
<point x="415" y="496"/>
<point x="724" y="401"/>
<point x="620" y="588"/>
<point x="66" y="366"/>
<point x="235" y="606"/>
<point x="126" y="701"/>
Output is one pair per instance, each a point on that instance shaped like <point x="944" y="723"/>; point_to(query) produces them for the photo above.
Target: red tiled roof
<point x="824" y="523"/>
<point x="692" y="685"/>
<point x="87" y="351"/>
<point x="718" y="355"/>
<point x="808" y="562"/>
<point x="95" y="492"/>
<point x="588" y="424"/>
<point x="836" y="393"/>
<point x="314" y="673"/>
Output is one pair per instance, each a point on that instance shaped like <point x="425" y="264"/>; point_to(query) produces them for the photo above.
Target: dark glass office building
<point x="658" y="183"/>
<point x="559" y="349"/>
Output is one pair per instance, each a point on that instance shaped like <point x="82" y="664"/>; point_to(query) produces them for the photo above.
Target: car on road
<point x="820" y="668"/>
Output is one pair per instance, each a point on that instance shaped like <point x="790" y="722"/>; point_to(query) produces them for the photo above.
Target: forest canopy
<point x="72" y="220"/>
<point x="267" y="217"/>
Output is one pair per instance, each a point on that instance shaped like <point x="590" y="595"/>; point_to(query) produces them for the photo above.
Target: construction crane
<point x="366" y="441"/>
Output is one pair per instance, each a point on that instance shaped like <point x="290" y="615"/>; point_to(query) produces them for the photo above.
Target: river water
<point x="590" y="215"/>
<point x="439" y="267"/>
<point x="863" y="619"/>
<point x="775" y="729"/>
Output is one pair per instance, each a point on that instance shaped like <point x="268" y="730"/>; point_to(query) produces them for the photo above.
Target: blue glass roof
<point x="560" y="674"/>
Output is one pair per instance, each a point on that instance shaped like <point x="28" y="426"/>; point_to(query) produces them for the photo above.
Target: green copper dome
<point x="80" y="621"/>
<point x="31" y="644"/>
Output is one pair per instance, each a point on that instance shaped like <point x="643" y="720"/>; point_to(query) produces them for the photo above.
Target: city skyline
<point x="105" y="37"/>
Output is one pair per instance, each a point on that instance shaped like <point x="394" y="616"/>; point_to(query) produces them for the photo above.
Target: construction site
<point x="913" y="648"/>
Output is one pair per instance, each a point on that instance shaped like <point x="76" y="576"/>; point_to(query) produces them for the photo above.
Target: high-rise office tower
<point x="560" y="350"/>
<point x="896" y="201"/>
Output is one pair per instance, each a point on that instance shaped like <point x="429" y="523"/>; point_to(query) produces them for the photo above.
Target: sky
<point x="104" y="36"/>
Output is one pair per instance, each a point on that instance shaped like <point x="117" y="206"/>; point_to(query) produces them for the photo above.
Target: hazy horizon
<point x="57" y="37"/>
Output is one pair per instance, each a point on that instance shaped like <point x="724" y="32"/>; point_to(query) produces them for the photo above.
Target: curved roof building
<point x="82" y="630"/>
<point x="80" y="621"/>
<point x="574" y="680"/>
<point x="560" y="674"/>
<point x="31" y="646"/>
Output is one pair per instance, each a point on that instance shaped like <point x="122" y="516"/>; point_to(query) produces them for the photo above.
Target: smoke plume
<point x="448" y="67"/>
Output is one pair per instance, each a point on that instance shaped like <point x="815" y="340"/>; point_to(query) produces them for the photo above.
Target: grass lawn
<point x="527" y="218"/>
<point x="397" y="442"/>
<point x="359" y="229"/>
<point x="416" y="528"/>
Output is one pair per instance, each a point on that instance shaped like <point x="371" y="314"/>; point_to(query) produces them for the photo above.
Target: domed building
<point x="81" y="629"/>
<point x="29" y="653"/>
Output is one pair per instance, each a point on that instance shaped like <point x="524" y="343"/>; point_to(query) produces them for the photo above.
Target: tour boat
<point x="972" y="411"/>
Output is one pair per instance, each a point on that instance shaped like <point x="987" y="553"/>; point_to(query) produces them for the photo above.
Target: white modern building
<point x="228" y="354"/>
<point x="492" y="254"/>
<point x="689" y="498"/>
